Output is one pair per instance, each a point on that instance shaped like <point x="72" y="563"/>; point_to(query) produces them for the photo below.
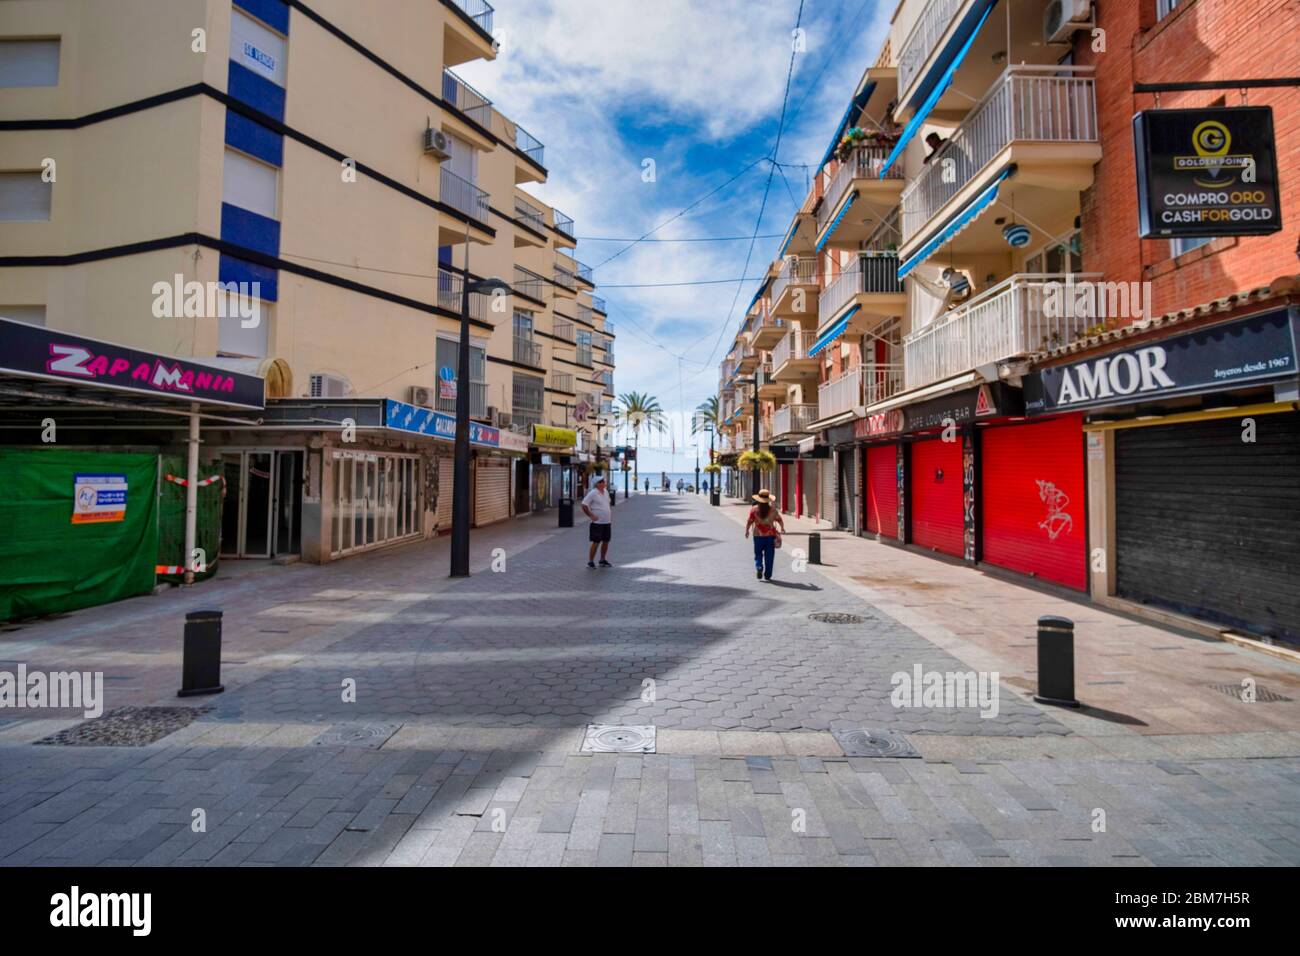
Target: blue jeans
<point x="764" y="554"/>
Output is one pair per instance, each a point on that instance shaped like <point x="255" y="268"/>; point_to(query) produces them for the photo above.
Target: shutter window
<point x="250" y="185"/>
<point x="24" y="197"/>
<point x="29" y="63"/>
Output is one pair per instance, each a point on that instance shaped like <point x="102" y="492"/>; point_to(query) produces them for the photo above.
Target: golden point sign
<point x="554" y="437"/>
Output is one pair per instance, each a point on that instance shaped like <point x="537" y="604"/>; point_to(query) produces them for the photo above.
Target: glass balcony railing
<point x="463" y="195"/>
<point x="563" y="223"/>
<point x="598" y="303"/>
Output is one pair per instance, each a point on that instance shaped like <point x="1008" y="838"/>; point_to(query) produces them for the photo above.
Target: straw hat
<point x="765" y="497"/>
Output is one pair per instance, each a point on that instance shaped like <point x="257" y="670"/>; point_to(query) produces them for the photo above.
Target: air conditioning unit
<point x="1063" y="17"/>
<point x="499" y="418"/>
<point x="422" y="396"/>
<point x="436" y="144"/>
<point x="324" y="385"/>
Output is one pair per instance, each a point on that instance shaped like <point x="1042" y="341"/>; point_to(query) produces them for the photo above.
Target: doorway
<point x="261" y="516"/>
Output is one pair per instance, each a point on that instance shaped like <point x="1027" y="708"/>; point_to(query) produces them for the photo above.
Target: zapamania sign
<point x="1207" y="172"/>
<point x="1250" y="351"/>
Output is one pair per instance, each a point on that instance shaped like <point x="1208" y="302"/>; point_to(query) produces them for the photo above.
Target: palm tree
<point x="641" y="409"/>
<point x="707" y="416"/>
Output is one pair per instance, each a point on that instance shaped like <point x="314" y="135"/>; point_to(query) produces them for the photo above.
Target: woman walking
<point x="765" y="520"/>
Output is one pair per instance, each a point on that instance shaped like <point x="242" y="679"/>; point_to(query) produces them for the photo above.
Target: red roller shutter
<point x="882" y="490"/>
<point x="935" y="488"/>
<point x="1032" y="498"/>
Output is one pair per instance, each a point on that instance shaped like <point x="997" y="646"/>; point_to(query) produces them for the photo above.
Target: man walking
<point x="680" y="485"/>
<point x="596" y="507"/>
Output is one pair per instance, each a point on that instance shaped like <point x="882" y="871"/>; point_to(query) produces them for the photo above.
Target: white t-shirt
<point x="597" y="502"/>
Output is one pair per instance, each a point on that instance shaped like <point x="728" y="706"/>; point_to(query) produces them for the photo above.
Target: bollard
<point x="815" y="548"/>
<point x="715" y="497"/>
<point x="1056" y="662"/>
<point x="201" y="667"/>
<point x="613" y="493"/>
<point x="566" y="513"/>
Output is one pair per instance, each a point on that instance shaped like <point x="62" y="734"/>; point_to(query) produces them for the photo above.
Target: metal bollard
<point x="613" y="493"/>
<point x="1056" y="662"/>
<point x="201" y="667"/>
<point x="815" y="548"/>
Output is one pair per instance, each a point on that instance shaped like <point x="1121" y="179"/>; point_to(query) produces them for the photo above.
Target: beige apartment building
<point x="325" y="159"/>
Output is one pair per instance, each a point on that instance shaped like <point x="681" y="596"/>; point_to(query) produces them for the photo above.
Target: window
<point x="464" y="159"/>
<point x="528" y="396"/>
<point x="29" y="63"/>
<point x="1166" y="7"/>
<point x="251" y="185"/>
<point x="1186" y="244"/>
<point x="447" y="358"/>
<point x="236" y="341"/>
<point x="25" y="197"/>
<point x="1063" y="255"/>
<point x="583" y="356"/>
<point x="377" y="499"/>
<point x="27" y="314"/>
<point x="256" y="48"/>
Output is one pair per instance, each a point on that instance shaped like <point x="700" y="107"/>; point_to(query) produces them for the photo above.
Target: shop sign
<point x="986" y="401"/>
<point x="1249" y="351"/>
<point x="38" y="352"/>
<point x="447" y="382"/>
<point x="840" y="434"/>
<point x="1207" y="172"/>
<point x="558" y="437"/>
<point x="785" y="452"/>
<point x="879" y="425"/>
<point x="98" y="499"/>
<point x="425" y="421"/>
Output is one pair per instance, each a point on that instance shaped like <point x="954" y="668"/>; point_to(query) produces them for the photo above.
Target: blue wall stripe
<point x="232" y="269"/>
<point x="254" y="139"/>
<point x="260" y="93"/>
<point x="250" y="230"/>
<point x="274" y="13"/>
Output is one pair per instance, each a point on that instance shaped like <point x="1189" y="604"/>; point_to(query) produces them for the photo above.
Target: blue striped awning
<point x="939" y="88"/>
<point x="836" y="221"/>
<point x="833" y="333"/>
<point x="956" y="224"/>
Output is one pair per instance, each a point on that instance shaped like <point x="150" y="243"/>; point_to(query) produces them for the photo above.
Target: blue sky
<point x="697" y="88"/>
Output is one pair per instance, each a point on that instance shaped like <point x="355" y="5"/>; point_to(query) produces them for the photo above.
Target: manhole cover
<point x="126" y="727"/>
<point x="874" y="743"/>
<point x="1262" y="694"/>
<point x="369" y="736"/>
<point x="835" y="617"/>
<point x="619" y="739"/>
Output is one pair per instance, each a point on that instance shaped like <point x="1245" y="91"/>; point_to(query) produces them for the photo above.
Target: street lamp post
<point x="753" y="475"/>
<point x="460" y="472"/>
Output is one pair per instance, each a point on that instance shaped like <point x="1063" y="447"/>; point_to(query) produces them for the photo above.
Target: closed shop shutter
<point x="1208" y="525"/>
<point x="446" y="482"/>
<point x="491" y="490"/>
<point x="810" y="479"/>
<point x="828" y="469"/>
<point x="784" y="492"/>
<point x="848" y="490"/>
<point x="1032" y="500"/>
<point x="882" y="490"/>
<point x="935" y="490"/>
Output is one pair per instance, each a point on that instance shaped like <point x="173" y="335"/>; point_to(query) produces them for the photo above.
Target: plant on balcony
<point x="857" y="136"/>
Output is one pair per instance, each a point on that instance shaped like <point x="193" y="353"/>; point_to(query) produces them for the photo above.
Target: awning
<point x="833" y="333"/>
<point x="956" y="224"/>
<point x="856" y="106"/>
<point x="940" y="87"/>
<point x="836" y="221"/>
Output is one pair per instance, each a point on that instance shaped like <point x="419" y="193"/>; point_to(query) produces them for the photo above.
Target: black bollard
<point x="1056" y="662"/>
<point x="566" y="513"/>
<point x="201" y="667"/>
<point x="815" y="548"/>
<point x="613" y="493"/>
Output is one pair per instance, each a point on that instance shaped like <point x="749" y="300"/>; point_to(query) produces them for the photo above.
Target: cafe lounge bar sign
<point x="1207" y="172"/>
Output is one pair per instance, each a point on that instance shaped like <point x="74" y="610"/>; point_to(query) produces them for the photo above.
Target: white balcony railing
<point x="1044" y="104"/>
<point x="463" y="195"/>
<point x="842" y="394"/>
<point x="873" y="273"/>
<point x="795" y="345"/>
<point x="1002" y="322"/>
<point x="793" y="419"/>
<point x="920" y="43"/>
<point x="795" y="271"/>
<point x="865" y="162"/>
<point x="881" y="381"/>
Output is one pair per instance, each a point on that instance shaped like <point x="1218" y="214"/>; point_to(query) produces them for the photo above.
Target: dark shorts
<point x="599" y="532"/>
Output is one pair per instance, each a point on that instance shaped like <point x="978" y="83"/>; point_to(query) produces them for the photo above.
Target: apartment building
<point x="936" y="390"/>
<point x="327" y="160"/>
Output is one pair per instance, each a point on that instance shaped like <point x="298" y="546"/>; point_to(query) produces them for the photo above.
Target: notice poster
<point x="97" y="499"/>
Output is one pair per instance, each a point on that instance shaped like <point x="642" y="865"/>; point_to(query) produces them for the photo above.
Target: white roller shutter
<point x="25" y="197"/>
<point x="446" y="482"/>
<point x="250" y="185"/>
<point x="491" y="490"/>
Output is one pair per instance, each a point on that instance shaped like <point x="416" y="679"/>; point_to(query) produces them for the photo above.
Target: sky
<point x="644" y="110"/>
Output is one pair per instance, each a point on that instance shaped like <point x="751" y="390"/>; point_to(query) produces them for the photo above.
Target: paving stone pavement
<point x="482" y="688"/>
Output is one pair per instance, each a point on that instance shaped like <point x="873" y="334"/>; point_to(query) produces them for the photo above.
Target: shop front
<point x="1193" y="466"/>
<point x="882" y="474"/>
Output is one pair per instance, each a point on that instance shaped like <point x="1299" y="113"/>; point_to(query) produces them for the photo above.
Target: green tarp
<point x="171" y="518"/>
<point x="48" y="563"/>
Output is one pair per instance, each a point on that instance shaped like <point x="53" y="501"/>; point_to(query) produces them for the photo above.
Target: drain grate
<point x="835" y="617"/>
<point x="369" y="736"/>
<point x="126" y="727"/>
<point x="1262" y="694"/>
<point x="874" y="743"/>
<point x="619" y="739"/>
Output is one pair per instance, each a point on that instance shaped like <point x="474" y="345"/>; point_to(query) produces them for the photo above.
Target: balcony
<point x="564" y="226"/>
<point x="527" y="351"/>
<point x="746" y="357"/>
<point x="584" y="315"/>
<point x="844" y="394"/>
<point x="793" y="419"/>
<point x="477" y="401"/>
<point x="609" y="327"/>
<point x="583" y="354"/>
<point x="468" y="32"/>
<point x="857" y="181"/>
<point x="795" y="289"/>
<point x="528" y="150"/>
<point x="565" y="331"/>
<point x="565" y="279"/>
<point x="768" y="387"/>
<point x="562" y="382"/>
<point x="790" y="361"/>
<point x="469" y="101"/>
<point x="928" y="30"/>
<point x="765" y="329"/>
<point x="882" y="381"/>
<point x="1040" y="120"/>
<point x="463" y="196"/>
<point x="530" y="285"/>
<point x="873" y="287"/>
<point x="1001" y="323"/>
<point x="584" y="273"/>
<point x="598" y="304"/>
<point x="450" y="286"/>
<point x="531" y="218"/>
